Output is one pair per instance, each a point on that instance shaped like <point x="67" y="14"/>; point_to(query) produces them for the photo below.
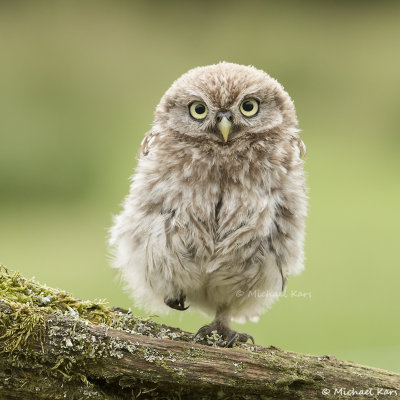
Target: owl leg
<point x="222" y="326"/>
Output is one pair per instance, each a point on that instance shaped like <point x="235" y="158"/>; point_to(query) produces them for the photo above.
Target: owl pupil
<point x="248" y="106"/>
<point x="200" y="109"/>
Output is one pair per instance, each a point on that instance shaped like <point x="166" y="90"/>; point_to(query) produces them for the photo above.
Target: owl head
<point x="224" y="102"/>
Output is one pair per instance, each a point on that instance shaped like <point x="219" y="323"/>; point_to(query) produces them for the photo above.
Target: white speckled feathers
<point x="221" y="223"/>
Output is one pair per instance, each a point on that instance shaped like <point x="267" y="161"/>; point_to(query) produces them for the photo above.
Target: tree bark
<point x="65" y="356"/>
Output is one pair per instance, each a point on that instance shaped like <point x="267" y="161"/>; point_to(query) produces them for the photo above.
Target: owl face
<point x="223" y="102"/>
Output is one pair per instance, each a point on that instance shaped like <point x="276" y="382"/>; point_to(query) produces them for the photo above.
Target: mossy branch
<point x="53" y="346"/>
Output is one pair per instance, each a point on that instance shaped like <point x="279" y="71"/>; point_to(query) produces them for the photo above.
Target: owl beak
<point x="224" y="126"/>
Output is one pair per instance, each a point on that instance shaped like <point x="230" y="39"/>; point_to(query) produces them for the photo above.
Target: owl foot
<point x="177" y="303"/>
<point x="229" y="336"/>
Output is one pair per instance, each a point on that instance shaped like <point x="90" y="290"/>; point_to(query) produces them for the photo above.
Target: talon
<point x="232" y="339"/>
<point x="226" y="333"/>
<point x="244" y="337"/>
<point x="202" y="329"/>
<point x="182" y="304"/>
<point x="176" y="304"/>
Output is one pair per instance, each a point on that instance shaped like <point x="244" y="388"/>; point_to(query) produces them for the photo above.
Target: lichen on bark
<point x="30" y="314"/>
<point x="54" y="346"/>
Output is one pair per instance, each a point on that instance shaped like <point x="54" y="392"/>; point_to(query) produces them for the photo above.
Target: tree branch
<point x="56" y="347"/>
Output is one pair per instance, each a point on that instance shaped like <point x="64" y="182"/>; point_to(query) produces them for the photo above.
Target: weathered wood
<point x="69" y="357"/>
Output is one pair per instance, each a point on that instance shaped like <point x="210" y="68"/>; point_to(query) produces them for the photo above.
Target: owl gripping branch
<point x="217" y="203"/>
<point x="53" y="346"/>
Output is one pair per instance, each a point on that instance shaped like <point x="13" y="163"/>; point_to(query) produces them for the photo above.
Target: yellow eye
<point x="198" y="110"/>
<point x="249" y="107"/>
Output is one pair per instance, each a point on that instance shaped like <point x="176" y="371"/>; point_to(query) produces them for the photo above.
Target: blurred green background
<point x="78" y="85"/>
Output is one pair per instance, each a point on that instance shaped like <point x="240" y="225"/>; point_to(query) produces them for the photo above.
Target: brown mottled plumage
<point x="216" y="212"/>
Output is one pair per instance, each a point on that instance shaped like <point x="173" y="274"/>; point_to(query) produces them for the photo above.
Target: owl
<point x="215" y="215"/>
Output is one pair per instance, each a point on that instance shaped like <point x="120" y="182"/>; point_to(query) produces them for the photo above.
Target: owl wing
<point x="300" y="146"/>
<point x="146" y="144"/>
<point x="287" y="231"/>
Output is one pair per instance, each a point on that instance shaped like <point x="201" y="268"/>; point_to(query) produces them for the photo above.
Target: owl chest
<point x="210" y="204"/>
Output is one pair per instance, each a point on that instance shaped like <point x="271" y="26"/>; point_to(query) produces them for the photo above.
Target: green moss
<point x="30" y="311"/>
<point x="195" y="353"/>
<point x="31" y="302"/>
<point x="26" y="303"/>
<point x="27" y="310"/>
<point x="18" y="290"/>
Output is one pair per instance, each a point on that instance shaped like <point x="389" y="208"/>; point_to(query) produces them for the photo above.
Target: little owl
<point x="216" y="211"/>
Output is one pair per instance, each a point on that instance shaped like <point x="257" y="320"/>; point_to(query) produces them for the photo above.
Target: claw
<point x="232" y="339"/>
<point x="230" y="336"/>
<point x="251" y="338"/>
<point x="202" y="329"/>
<point x="240" y="337"/>
<point x="182" y="304"/>
<point x="176" y="304"/>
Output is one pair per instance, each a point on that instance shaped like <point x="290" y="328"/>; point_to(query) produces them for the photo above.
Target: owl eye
<point x="249" y="107"/>
<point x="198" y="110"/>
